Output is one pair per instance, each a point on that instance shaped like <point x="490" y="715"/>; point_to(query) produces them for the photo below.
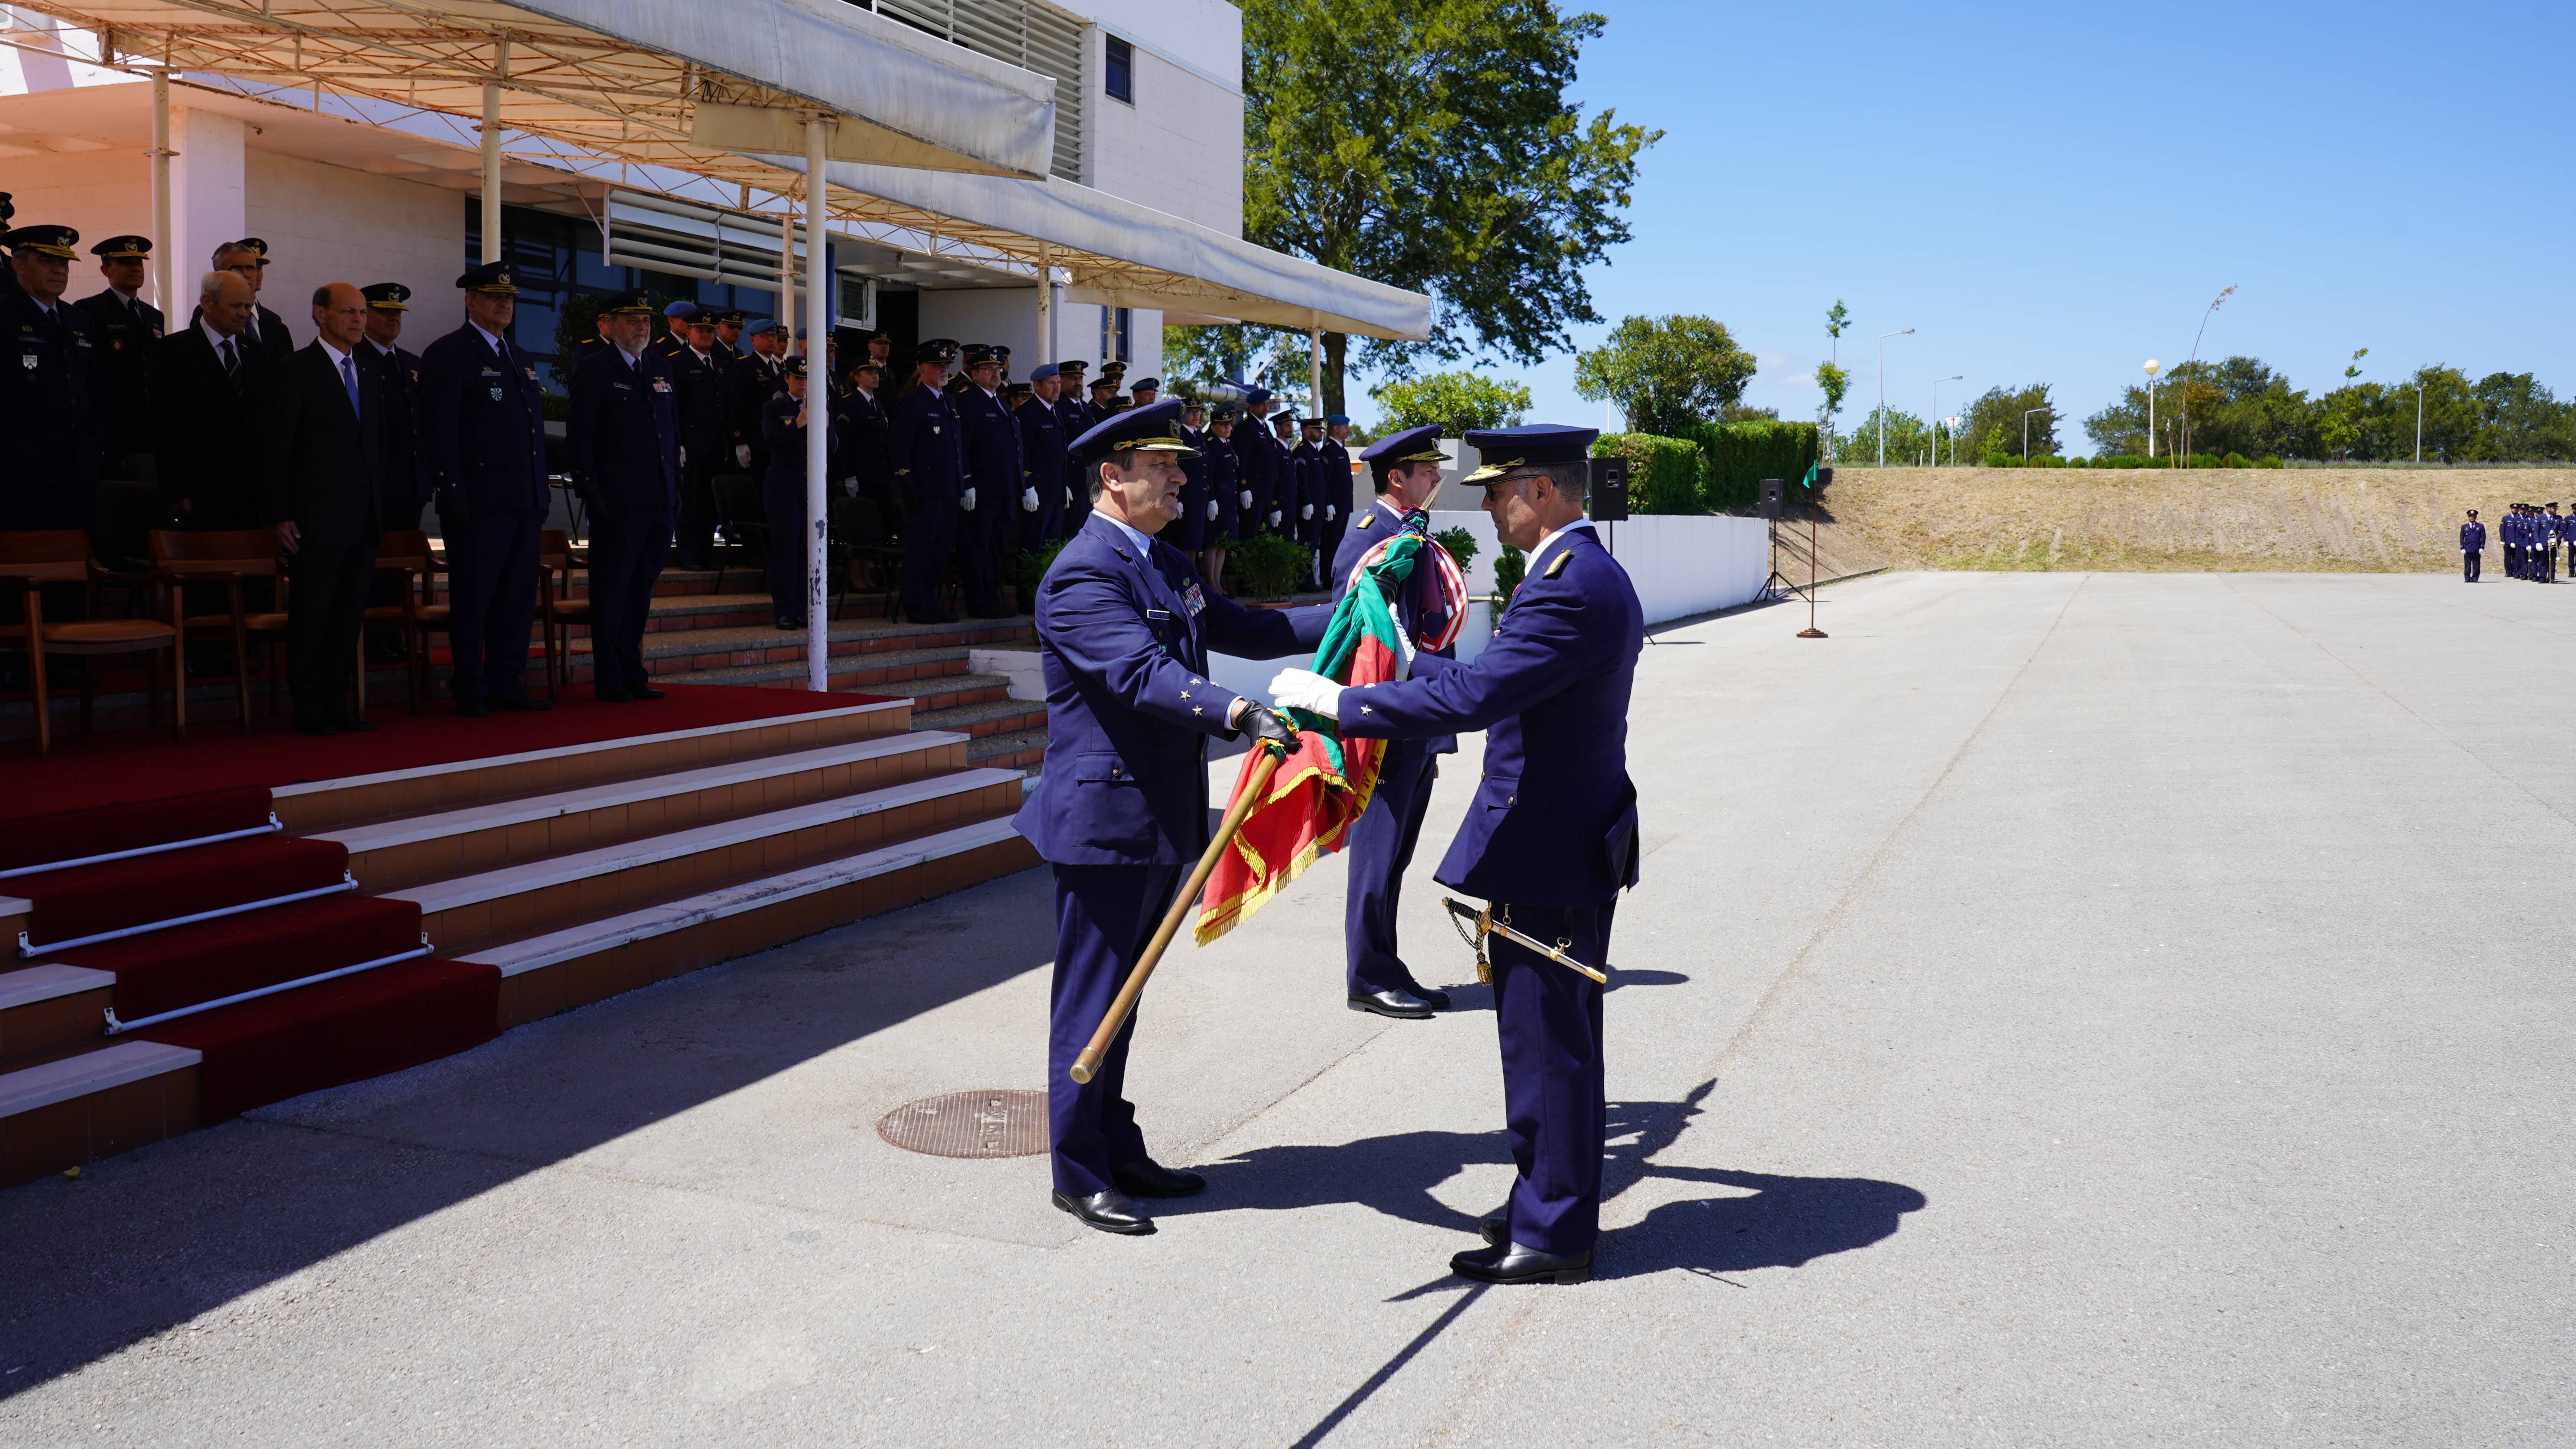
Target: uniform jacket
<point x="1042" y="443"/>
<point x="1261" y="470"/>
<point x="926" y="444"/>
<point x="126" y="334"/>
<point x="1189" y="532"/>
<point x="1419" y="604"/>
<point x="1333" y="470"/>
<point x="1225" y="480"/>
<point x="2473" y="537"/>
<point x="406" y="480"/>
<point x="325" y="462"/>
<point x="1554" y="822"/>
<point x="993" y="463"/>
<point x="751" y="380"/>
<point x="1074" y="416"/>
<point x="206" y="432"/>
<point x="1123" y="639"/>
<point x="623" y="432"/>
<point x="705" y="402"/>
<point x="859" y="444"/>
<point x="1308" y="464"/>
<point x="787" y="439"/>
<point x="482" y="424"/>
<point x="49" y="415"/>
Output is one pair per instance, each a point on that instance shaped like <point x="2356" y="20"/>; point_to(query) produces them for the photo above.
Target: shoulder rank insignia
<point x="1556" y="565"/>
<point x="1366" y="519"/>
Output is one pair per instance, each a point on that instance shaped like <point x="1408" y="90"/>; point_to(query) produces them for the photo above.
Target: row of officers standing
<point x="2531" y="533"/>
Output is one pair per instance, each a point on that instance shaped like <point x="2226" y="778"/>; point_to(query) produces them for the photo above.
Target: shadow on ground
<point x="1773" y="1221"/>
<point x="147" y="1241"/>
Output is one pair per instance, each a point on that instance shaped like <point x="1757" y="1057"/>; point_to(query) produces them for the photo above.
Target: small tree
<point x="1666" y="373"/>
<point x="1831" y="380"/>
<point x="1453" y="401"/>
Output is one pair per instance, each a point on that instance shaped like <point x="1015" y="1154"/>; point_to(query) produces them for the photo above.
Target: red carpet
<point x="337" y="1032"/>
<point x="74" y="834"/>
<point x="139" y="765"/>
<point x="163" y="970"/>
<point x="87" y="899"/>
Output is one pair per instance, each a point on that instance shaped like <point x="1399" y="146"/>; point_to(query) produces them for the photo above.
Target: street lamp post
<point x="2419" y="420"/>
<point x="2151" y="407"/>
<point x="2025" y="430"/>
<point x="1936" y="423"/>
<point x="1952" y="423"/>
<point x="1882" y="389"/>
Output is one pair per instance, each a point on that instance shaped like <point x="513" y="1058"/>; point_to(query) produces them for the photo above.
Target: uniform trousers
<point x="1381" y="846"/>
<point x="697" y="521"/>
<point x="1040" y="530"/>
<point x="1104" y="915"/>
<point x="985" y="535"/>
<point x="326" y="602"/>
<point x="928" y="531"/>
<point x="492" y="584"/>
<point x="1555" y="1106"/>
<point x="791" y="541"/>
<point x="2513" y="560"/>
<point x="2469" y="560"/>
<point x="627" y="547"/>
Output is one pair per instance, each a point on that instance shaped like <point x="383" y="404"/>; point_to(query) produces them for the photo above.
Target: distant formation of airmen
<point x="2532" y="535"/>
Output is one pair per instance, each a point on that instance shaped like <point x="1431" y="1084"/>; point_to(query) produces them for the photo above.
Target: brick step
<point x="879" y="673"/>
<point x="389" y="855"/>
<point x="78" y="1109"/>
<point x="682" y="651"/>
<point x="470" y="913"/>
<point x="1020" y="750"/>
<point x="992" y="717"/>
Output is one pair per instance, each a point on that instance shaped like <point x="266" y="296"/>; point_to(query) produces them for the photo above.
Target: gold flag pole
<point x="1088" y="1064"/>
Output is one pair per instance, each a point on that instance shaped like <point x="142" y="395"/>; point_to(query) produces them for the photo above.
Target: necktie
<point x="232" y="360"/>
<point x="349" y="380"/>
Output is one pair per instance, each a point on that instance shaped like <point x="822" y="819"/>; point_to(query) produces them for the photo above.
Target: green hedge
<point x="1663" y="473"/>
<point x="1737" y="456"/>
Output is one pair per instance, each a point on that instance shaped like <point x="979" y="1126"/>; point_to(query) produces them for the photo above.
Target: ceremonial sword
<point x="1486" y="925"/>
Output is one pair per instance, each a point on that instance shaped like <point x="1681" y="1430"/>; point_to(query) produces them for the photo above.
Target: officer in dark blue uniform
<point x="1225" y="483"/>
<point x="1042" y="448"/>
<point x="397" y="370"/>
<point x="1188" y="532"/>
<point x="1406" y="469"/>
<point x="1551" y="838"/>
<point x="1262" y="469"/>
<point x="1333" y="472"/>
<point x="624" y="437"/>
<point x="1307" y="460"/>
<point x="2553" y="531"/>
<point x="859" y="441"/>
<point x="928" y="450"/>
<point x="126" y="330"/>
<point x="1120" y="810"/>
<point x="1073" y="418"/>
<point x="2473" y="546"/>
<point x="699" y="384"/>
<point x="8" y="275"/>
<point x="49" y="411"/>
<point x="783" y="422"/>
<point x="995" y="474"/>
<point x="483" y="434"/>
<point x="2511" y="529"/>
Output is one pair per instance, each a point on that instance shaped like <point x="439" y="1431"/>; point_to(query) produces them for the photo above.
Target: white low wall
<point x="1680" y="567"/>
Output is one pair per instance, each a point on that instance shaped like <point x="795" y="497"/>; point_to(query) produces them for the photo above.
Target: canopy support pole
<point x="162" y="242"/>
<point x="1046" y="308"/>
<point x="818" y="410"/>
<point x="1315" y="371"/>
<point x="787" y="273"/>
<point x="492" y="153"/>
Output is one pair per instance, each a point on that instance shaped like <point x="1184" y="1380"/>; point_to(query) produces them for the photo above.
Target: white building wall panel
<point x="326" y="223"/>
<point x="1178" y="149"/>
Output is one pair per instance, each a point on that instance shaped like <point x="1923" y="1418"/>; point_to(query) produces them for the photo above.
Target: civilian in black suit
<point x="325" y="472"/>
<point x="208" y="389"/>
<point x="624" y="437"/>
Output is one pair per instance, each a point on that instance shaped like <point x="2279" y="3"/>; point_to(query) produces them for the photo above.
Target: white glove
<point x="742" y="455"/>
<point x="1244" y="501"/>
<point x="850" y="486"/>
<point x="966" y="501"/>
<point x="1331" y="513"/>
<point x="1274" y="518"/>
<point x="1211" y="509"/>
<point x="1029" y="500"/>
<point x="1306" y="510"/>
<point x="1305" y="689"/>
<point x="684" y="457"/>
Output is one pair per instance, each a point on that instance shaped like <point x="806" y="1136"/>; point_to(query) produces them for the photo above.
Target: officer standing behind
<point x="1309" y="453"/>
<point x="248" y="260"/>
<point x="49" y="412"/>
<point x="127" y="329"/>
<point x="1042" y="443"/>
<point x="623" y="434"/>
<point x="1333" y="471"/>
<point x="995" y="475"/>
<point x="1224" y="487"/>
<point x="321" y="497"/>
<point x="1120" y="810"/>
<point x="1188" y="532"/>
<point x="1406" y="469"/>
<point x="729" y="335"/>
<point x="483" y="434"/>
<point x="924" y="442"/>
<point x="751" y="380"/>
<point x="398" y="376"/>
<point x="2473" y="547"/>
<point x="707" y="446"/>
<point x="859" y="444"/>
<point x="1073" y="419"/>
<point x="783" y="422"/>
<point x="2553" y="531"/>
<point x="1259" y="495"/>
<point x="1551" y="837"/>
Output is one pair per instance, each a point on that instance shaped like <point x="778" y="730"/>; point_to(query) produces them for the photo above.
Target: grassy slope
<point x="2342" y="520"/>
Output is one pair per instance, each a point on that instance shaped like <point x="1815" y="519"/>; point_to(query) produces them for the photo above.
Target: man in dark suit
<point x="926" y="445"/>
<point x="321" y="496"/>
<point x="1121" y="809"/>
<point x="208" y="389"/>
<point x="1406" y="469"/>
<point x="624" y="437"/>
<point x="1306" y="458"/>
<point x="49" y="413"/>
<point x="248" y="259"/>
<point x="1551" y="838"/>
<point x="483" y="434"/>
<point x="127" y="330"/>
<point x="398" y="373"/>
<point x="708" y="448"/>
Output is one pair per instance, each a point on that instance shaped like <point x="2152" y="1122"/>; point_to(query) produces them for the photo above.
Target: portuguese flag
<point x="1312" y="799"/>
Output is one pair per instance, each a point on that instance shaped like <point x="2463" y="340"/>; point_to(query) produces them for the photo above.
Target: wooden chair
<point x="859" y="534"/>
<point x="230" y="558"/>
<point x="742" y="522"/>
<point x="408" y="549"/>
<point x="399" y="617"/>
<point x="28" y="562"/>
<point x="557" y="610"/>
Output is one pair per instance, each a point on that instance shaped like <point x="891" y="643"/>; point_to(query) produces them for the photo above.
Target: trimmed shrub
<point x="2044" y="460"/>
<point x="1663" y="473"/>
<point x="2079" y="462"/>
<point x="1271" y="567"/>
<point x="1736" y="457"/>
<point x="2000" y="460"/>
<point x="1461" y="544"/>
<point x="1509" y="569"/>
<point x="2268" y="461"/>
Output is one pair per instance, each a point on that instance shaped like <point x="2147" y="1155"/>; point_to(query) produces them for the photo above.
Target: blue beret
<point x="679" y="309"/>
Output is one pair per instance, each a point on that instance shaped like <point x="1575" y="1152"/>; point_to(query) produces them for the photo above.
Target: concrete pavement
<point x="2058" y="1009"/>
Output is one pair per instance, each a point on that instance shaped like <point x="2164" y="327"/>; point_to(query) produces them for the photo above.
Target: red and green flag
<point x="1307" y="808"/>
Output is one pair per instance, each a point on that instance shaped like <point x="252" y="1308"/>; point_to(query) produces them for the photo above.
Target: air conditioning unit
<point x="678" y="237"/>
<point x="854" y="299"/>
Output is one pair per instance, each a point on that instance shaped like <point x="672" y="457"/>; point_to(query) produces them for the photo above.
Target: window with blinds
<point x="1031" y="36"/>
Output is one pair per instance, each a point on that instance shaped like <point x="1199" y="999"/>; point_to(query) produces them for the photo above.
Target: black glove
<point x="1268" y="724"/>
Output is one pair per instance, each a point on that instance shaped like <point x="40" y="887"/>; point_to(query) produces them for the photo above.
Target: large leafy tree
<point x="1666" y="373"/>
<point x="1428" y="144"/>
<point x="1909" y="440"/>
<point x="2238" y="405"/>
<point x="2519" y="419"/>
<point x="1455" y="401"/>
<point x="1993" y="423"/>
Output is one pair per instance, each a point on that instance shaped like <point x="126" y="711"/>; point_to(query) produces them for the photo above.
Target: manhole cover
<point x="997" y="1123"/>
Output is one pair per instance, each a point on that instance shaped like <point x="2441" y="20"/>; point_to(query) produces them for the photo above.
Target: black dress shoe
<point x="1496" y="1229"/>
<point x="522" y="703"/>
<point x="472" y="709"/>
<point x="353" y="723"/>
<point x="1395" y="1002"/>
<point x="315" y="727"/>
<point x="646" y="694"/>
<point x="1438" y="1000"/>
<point x="1110" y="1212"/>
<point x="790" y="621"/>
<point x="611" y="696"/>
<point x="1151" y="1179"/>
<point x="1513" y="1263"/>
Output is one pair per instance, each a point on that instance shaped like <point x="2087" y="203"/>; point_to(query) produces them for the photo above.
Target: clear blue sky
<point x="2054" y="192"/>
